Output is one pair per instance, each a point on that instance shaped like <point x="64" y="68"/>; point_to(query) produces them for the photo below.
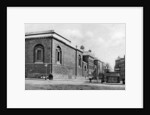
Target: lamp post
<point x="46" y="70"/>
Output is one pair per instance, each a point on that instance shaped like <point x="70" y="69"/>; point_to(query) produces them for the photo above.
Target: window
<point x="38" y="53"/>
<point x="84" y="68"/>
<point x="79" y="60"/>
<point x="58" y="55"/>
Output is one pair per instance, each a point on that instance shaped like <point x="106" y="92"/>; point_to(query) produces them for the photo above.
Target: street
<point x="75" y="84"/>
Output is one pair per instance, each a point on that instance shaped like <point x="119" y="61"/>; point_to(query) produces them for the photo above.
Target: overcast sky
<point x="107" y="41"/>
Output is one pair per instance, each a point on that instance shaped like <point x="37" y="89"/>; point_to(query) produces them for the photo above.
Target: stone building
<point x="99" y="65"/>
<point x="120" y="68"/>
<point x="48" y="52"/>
<point x="89" y="58"/>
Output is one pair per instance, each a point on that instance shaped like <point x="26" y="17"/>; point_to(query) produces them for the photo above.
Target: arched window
<point x="79" y="60"/>
<point x="58" y="55"/>
<point x="84" y="68"/>
<point x="38" y="53"/>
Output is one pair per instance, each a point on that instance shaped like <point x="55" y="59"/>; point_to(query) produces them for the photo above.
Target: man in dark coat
<point x="50" y="77"/>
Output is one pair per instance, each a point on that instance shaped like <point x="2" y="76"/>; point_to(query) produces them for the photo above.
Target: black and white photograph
<point x="75" y="56"/>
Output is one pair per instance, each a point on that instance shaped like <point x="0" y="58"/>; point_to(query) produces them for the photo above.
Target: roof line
<point x="62" y="37"/>
<point x="39" y="32"/>
<point x="46" y="32"/>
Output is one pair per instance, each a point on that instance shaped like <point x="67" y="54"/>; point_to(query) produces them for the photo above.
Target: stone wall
<point x="67" y="67"/>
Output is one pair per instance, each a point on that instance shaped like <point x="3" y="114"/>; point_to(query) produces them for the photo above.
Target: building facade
<point x="89" y="59"/>
<point x="99" y="68"/>
<point x="50" y="53"/>
<point x="120" y="68"/>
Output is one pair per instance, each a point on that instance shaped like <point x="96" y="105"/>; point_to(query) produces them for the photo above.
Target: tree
<point x="82" y="47"/>
<point x="90" y="50"/>
<point x="118" y="57"/>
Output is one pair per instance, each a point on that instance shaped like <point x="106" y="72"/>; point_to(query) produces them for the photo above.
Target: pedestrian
<point x="45" y="77"/>
<point x="50" y="76"/>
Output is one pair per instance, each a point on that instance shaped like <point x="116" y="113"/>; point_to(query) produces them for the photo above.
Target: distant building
<point x="84" y="69"/>
<point x="88" y="57"/>
<point x="99" y="65"/>
<point x="112" y="77"/>
<point x="120" y="68"/>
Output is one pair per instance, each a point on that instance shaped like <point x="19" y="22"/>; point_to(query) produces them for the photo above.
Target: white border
<point x="18" y="97"/>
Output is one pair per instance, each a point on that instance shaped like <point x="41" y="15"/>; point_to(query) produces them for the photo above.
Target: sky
<point x="106" y="41"/>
